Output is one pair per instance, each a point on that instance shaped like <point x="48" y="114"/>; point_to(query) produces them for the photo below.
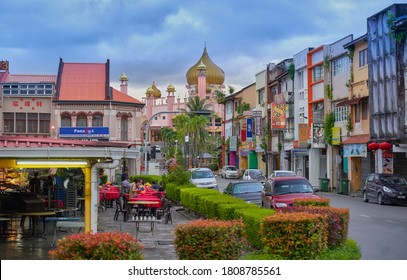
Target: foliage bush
<point x="294" y="236"/>
<point x="210" y="204"/>
<point x="97" y="246"/>
<point x="252" y="218"/>
<point x="227" y="211"/>
<point x="311" y="202"/>
<point x="210" y="240"/>
<point x="347" y="251"/>
<point x="337" y="220"/>
<point x="190" y="197"/>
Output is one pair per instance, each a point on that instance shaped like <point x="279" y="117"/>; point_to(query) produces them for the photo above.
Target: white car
<point x="203" y="178"/>
<point x="229" y="171"/>
<point x="254" y="174"/>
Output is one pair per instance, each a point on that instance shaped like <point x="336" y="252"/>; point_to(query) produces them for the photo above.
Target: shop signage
<point x="249" y="129"/>
<point x="336" y="135"/>
<point x="84" y="132"/>
<point x="355" y="150"/>
<point x="258" y="124"/>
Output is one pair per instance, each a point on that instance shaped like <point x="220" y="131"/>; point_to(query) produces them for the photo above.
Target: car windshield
<point x="248" y="188"/>
<point x="255" y="173"/>
<point x="394" y="180"/>
<point x="230" y="168"/>
<point x="292" y="186"/>
<point x="199" y="174"/>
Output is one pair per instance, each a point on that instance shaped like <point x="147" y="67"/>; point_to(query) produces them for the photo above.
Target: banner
<point x="257" y="123"/>
<point x="278" y="115"/>
<point x="336" y="135"/>
<point x="249" y="129"/>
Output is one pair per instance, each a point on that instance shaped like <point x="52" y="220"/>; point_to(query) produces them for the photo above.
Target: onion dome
<point x="214" y="74"/>
<point x="156" y="91"/>
<point x="150" y="92"/>
<point x="201" y="66"/>
<point x="123" y="77"/>
<point x="171" y="88"/>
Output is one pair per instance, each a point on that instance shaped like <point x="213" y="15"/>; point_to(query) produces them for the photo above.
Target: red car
<point x="280" y="192"/>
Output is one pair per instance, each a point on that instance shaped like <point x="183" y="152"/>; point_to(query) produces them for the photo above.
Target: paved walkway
<point x="16" y="248"/>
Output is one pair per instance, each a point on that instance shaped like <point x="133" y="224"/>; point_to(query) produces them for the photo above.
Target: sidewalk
<point x="162" y="249"/>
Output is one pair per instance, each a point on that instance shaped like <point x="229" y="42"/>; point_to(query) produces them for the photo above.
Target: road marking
<point x="366" y="216"/>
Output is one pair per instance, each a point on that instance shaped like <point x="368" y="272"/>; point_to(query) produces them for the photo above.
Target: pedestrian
<point x="35" y="184"/>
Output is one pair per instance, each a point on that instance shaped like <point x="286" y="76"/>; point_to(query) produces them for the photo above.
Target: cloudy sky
<point x="159" y="40"/>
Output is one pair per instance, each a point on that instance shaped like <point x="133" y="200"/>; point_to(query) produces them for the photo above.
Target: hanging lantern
<point x="385" y="146"/>
<point x="373" y="146"/>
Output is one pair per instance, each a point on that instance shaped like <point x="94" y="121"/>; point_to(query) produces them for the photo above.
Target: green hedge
<point x="190" y="197"/>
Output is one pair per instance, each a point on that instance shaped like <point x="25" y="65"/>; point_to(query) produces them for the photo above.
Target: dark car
<point x="249" y="191"/>
<point x="280" y="192"/>
<point x="380" y="187"/>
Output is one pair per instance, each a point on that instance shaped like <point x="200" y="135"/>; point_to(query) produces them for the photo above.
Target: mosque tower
<point x="170" y="106"/>
<point x="123" y="83"/>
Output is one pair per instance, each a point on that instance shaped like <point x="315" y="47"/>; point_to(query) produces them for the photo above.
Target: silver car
<point x="229" y="171"/>
<point x="203" y="178"/>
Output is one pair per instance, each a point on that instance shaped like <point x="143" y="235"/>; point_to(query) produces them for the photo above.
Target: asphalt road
<point x="379" y="230"/>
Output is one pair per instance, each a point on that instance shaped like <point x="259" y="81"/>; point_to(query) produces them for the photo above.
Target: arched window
<point x="124" y="130"/>
<point x="81" y="120"/>
<point x="66" y="120"/>
<point x="97" y="120"/>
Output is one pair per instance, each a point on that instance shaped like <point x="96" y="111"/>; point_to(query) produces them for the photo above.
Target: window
<point x="66" y="120"/>
<point x="318" y="112"/>
<point x="341" y="65"/>
<point x="364" y="109"/>
<point x="26" y="123"/>
<point x="32" y="123"/>
<point x="97" y="120"/>
<point x="81" y="120"/>
<point x="218" y="121"/>
<point x="357" y="113"/>
<point x="341" y="113"/>
<point x="8" y="122"/>
<point x="45" y="121"/>
<point x="363" y="58"/>
<point x="301" y="79"/>
<point x="317" y="73"/>
<point x="124" y="128"/>
<point x="21" y="122"/>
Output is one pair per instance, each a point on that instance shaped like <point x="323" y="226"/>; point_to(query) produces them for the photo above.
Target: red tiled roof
<point x="122" y="97"/>
<point x="12" y="78"/>
<point x="83" y="81"/>
<point x="20" y="142"/>
<point x="357" y="139"/>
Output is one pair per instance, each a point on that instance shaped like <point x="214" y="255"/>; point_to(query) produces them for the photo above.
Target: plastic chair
<point x="121" y="207"/>
<point x="164" y="212"/>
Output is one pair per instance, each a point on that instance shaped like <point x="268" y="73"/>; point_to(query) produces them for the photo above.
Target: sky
<point x="159" y="40"/>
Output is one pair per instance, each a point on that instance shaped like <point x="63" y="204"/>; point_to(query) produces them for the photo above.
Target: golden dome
<point x="171" y="88"/>
<point x="123" y="77"/>
<point x="149" y="91"/>
<point x="214" y="74"/>
<point x="157" y="92"/>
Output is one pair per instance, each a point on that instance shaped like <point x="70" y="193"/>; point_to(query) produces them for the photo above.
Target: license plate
<point x="402" y="197"/>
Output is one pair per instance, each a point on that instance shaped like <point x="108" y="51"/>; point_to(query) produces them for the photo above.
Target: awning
<point x="358" y="139"/>
<point x="350" y="101"/>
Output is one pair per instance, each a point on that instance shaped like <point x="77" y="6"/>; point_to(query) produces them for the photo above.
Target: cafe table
<point x="33" y="221"/>
<point x="144" y="219"/>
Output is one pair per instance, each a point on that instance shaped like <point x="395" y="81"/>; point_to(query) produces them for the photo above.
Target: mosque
<point x="204" y="79"/>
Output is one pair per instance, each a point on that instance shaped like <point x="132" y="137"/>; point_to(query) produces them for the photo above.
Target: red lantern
<point x="373" y="146"/>
<point x="385" y="146"/>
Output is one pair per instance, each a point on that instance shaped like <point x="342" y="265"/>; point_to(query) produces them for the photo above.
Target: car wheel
<point x="380" y="199"/>
<point x="365" y="199"/>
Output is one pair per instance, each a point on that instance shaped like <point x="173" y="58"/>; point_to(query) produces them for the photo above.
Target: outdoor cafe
<point x="34" y="153"/>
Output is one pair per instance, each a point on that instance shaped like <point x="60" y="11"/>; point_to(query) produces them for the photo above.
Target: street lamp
<point x="199" y="112"/>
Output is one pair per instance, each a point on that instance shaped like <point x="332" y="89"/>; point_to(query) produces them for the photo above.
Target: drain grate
<point x="165" y="242"/>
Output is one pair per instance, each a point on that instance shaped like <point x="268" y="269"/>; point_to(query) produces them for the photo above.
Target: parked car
<point x="278" y="173"/>
<point x="249" y="191"/>
<point x="380" y="187"/>
<point x="254" y="174"/>
<point x="229" y="171"/>
<point x="203" y="178"/>
<point x="280" y="192"/>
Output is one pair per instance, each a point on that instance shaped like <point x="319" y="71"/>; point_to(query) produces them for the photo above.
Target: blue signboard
<point x="84" y="132"/>
<point x="249" y="129"/>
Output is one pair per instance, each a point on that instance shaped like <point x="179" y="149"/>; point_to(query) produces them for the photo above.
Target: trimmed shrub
<point x="228" y="211"/>
<point x="97" y="246"/>
<point x="347" y="251"/>
<point x="210" y="204"/>
<point x="337" y="220"/>
<point x="189" y="197"/>
<point x="294" y="236"/>
<point x="252" y="219"/>
<point x="311" y="202"/>
<point x="210" y="240"/>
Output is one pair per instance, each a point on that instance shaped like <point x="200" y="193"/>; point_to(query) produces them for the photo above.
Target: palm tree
<point x="196" y="104"/>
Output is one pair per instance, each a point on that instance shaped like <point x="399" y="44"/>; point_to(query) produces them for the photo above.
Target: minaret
<point x="123" y="83"/>
<point x="149" y="102"/>
<point x="170" y="105"/>
<point x="201" y="71"/>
